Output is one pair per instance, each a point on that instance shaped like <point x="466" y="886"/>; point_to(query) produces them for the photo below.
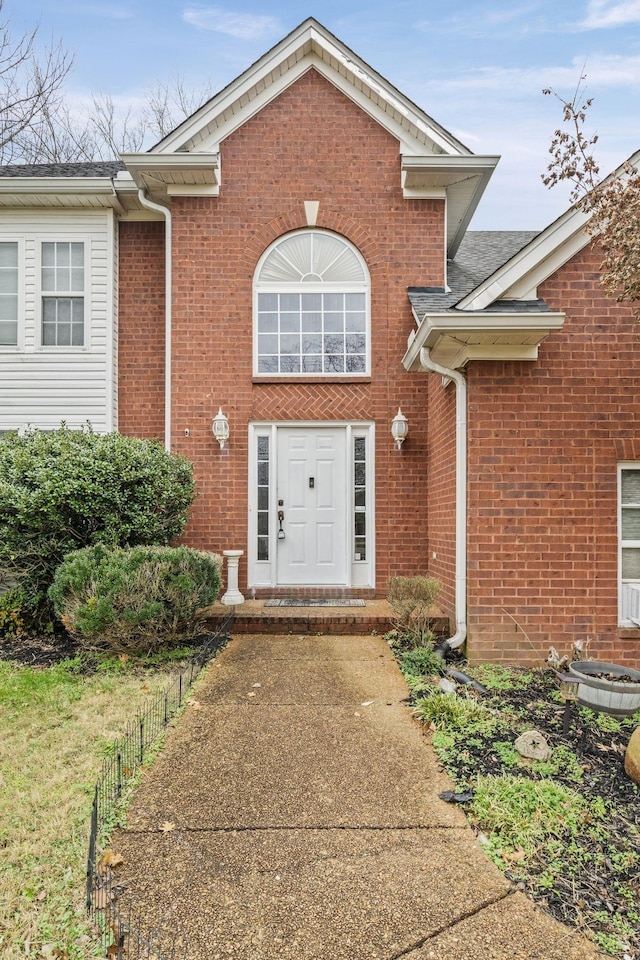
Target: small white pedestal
<point x="233" y="595"/>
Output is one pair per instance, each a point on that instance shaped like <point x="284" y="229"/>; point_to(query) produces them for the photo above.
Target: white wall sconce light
<point x="399" y="429"/>
<point x="220" y="428"/>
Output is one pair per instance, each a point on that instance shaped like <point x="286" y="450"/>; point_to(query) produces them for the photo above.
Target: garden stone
<point x="632" y="757"/>
<point x="533" y="746"/>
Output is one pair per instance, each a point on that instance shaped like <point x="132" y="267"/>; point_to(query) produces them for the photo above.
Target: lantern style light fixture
<point x="220" y="428"/>
<point x="399" y="428"/>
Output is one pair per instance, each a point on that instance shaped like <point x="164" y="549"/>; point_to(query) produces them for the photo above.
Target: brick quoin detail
<point x="545" y="439"/>
<point x="310" y="143"/>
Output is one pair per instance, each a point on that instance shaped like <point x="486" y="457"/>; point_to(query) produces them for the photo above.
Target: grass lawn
<point x="55" y="726"/>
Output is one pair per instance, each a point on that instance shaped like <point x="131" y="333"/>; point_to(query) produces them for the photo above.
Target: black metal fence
<point x="122" y="931"/>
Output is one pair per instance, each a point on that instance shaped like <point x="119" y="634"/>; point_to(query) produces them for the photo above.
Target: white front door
<point x="313" y="534"/>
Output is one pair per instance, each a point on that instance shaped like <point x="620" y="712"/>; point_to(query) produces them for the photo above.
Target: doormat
<point x="324" y="602"/>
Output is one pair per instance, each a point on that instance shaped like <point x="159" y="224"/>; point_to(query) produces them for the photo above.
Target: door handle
<point x="281" y="534"/>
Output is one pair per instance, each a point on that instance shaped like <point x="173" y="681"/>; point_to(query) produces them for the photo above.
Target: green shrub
<point x="69" y="489"/>
<point x="13" y="616"/>
<point x="411" y="599"/>
<point x="135" y="600"/>
<point x="421" y="662"/>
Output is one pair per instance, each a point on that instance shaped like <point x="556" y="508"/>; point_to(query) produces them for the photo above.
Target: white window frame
<point x="628" y="589"/>
<point x="18" y="345"/>
<point x="85" y="294"/>
<point x="312" y="287"/>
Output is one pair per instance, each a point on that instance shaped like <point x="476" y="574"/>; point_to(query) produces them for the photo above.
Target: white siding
<point x="40" y="385"/>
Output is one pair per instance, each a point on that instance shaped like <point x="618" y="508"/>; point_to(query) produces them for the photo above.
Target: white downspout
<point x="166" y="213"/>
<point x="461" y="492"/>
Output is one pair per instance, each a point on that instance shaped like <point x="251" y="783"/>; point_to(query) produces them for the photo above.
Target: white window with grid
<point x="311" y="308"/>
<point x="8" y="294"/>
<point x="629" y="543"/>
<point x="63" y="294"/>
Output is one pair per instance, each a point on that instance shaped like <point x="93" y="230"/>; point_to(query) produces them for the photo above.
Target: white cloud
<point x="242" y="26"/>
<point x="487" y="22"/>
<point x="604" y="13"/>
<point x="601" y="71"/>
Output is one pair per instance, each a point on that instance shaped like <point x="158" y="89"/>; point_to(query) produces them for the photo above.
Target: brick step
<point x="253" y="617"/>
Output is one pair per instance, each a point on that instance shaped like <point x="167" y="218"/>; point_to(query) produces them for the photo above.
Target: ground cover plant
<point x="565" y="830"/>
<point x="58" y="720"/>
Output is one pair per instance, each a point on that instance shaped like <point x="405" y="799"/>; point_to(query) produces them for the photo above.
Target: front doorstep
<point x="375" y="617"/>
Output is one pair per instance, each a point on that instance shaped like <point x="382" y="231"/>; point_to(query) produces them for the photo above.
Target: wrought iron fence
<point x="122" y="931"/>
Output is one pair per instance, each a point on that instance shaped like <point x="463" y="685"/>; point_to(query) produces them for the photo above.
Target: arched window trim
<point x="353" y="355"/>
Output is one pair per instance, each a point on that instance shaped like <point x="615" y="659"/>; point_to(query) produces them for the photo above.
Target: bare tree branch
<point x="30" y="86"/>
<point x="613" y="203"/>
<point x="37" y="125"/>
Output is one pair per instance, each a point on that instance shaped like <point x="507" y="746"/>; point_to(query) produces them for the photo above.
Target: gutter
<point x="166" y="213"/>
<point x="461" y="493"/>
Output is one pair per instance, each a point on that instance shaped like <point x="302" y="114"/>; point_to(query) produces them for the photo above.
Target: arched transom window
<point x="311" y="307"/>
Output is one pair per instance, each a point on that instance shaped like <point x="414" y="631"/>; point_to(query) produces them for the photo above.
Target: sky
<point x="478" y="67"/>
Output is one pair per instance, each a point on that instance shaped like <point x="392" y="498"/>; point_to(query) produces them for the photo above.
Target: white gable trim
<point x="518" y="279"/>
<point x="311" y="45"/>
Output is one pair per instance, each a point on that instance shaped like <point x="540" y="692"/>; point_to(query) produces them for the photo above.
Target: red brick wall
<point x="141" y="322"/>
<point x="311" y="143"/>
<point x="544" y="442"/>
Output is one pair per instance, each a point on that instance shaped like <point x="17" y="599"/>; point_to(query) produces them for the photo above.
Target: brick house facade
<point x="297" y="255"/>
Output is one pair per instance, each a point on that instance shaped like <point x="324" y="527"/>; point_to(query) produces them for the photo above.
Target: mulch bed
<point x="40" y="651"/>
<point x="599" y="889"/>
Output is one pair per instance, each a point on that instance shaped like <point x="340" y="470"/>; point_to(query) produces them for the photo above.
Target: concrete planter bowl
<point x="619" y="698"/>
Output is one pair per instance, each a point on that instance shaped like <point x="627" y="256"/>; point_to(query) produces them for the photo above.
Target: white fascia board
<point x="545" y="254"/>
<point x="464" y="180"/>
<point x="520" y="326"/>
<point x="309" y="45"/>
<point x="157" y="170"/>
<point x="193" y="190"/>
<point x="56" y="187"/>
<point x="79" y="185"/>
<point x="446" y="171"/>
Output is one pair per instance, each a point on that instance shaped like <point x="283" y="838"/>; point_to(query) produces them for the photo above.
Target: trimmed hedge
<point x="69" y="489"/>
<point x="135" y="600"/>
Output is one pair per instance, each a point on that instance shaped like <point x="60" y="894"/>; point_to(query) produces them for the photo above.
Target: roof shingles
<point x="481" y="253"/>
<point x="108" y="168"/>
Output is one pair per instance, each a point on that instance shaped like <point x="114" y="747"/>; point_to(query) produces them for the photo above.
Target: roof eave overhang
<point x="58" y="192"/>
<point x="460" y="179"/>
<point x="453" y="340"/>
<point x="175" y="174"/>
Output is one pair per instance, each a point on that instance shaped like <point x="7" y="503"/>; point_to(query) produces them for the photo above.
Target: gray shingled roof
<point x="109" y="168"/>
<point x="480" y="254"/>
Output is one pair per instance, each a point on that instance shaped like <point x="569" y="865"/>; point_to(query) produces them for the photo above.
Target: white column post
<point x="233" y="595"/>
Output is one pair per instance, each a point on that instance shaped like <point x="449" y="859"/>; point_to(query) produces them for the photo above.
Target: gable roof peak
<point x="310" y="45"/>
<point x="434" y="163"/>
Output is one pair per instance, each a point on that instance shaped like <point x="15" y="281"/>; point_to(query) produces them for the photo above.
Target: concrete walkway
<point x="294" y="813"/>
